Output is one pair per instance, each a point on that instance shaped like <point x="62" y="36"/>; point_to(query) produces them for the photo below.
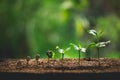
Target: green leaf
<point x="102" y="44"/>
<point x="53" y="54"/>
<point x="79" y="46"/>
<point x="92" y="44"/>
<point x="67" y="49"/>
<point x="76" y="47"/>
<point x="83" y="50"/>
<point x="93" y="32"/>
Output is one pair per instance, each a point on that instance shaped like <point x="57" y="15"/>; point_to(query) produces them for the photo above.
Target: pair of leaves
<point x="102" y="44"/>
<point x="99" y="44"/>
<point x="62" y="51"/>
<point x="78" y="47"/>
<point x="95" y="33"/>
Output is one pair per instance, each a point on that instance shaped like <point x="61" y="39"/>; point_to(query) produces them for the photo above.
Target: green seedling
<point x="62" y="51"/>
<point x="98" y="44"/>
<point x="97" y="36"/>
<point x="50" y="54"/>
<point x="28" y="59"/>
<point x="37" y="58"/>
<point x="79" y="49"/>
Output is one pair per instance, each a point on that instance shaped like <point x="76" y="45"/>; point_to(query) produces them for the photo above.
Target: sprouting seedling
<point x="28" y="59"/>
<point x="37" y="58"/>
<point x="79" y="49"/>
<point x="99" y="44"/>
<point x="97" y="36"/>
<point x="50" y="54"/>
<point x="62" y="51"/>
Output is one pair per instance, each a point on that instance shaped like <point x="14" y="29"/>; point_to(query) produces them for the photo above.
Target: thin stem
<point x="48" y="61"/>
<point x="37" y="62"/>
<point x="98" y="51"/>
<point x="27" y="62"/>
<point x="62" y="58"/>
<point x="79" y="57"/>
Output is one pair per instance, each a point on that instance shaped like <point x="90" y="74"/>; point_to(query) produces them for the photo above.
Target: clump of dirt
<point x="55" y="65"/>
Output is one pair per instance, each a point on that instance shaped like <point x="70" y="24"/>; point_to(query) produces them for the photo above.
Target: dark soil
<point x="55" y="67"/>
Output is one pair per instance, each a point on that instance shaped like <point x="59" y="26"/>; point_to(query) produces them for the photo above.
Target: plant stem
<point x="79" y="57"/>
<point x="27" y="62"/>
<point x="98" y="51"/>
<point x="48" y="61"/>
<point x="37" y="62"/>
<point x="62" y="58"/>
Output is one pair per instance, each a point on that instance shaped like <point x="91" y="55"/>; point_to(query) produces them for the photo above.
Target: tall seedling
<point x="98" y="44"/>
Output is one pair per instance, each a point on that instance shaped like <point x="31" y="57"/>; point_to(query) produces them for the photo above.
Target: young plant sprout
<point x="79" y="49"/>
<point x="62" y="51"/>
<point x="37" y="58"/>
<point x="97" y="36"/>
<point x="50" y="54"/>
<point x="28" y="59"/>
<point x="99" y="44"/>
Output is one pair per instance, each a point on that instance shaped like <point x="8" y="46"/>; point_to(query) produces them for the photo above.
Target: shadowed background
<point x="29" y="27"/>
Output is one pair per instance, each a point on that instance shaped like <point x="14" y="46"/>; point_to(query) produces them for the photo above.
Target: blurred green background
<point x="29" y="27"/>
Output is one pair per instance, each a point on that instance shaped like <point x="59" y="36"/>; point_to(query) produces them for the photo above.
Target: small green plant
<point x="97" y="36"/>
<point x="50" y="54"/>
<point x="28" y="59"/>
<point x="37" y="58"/>
<point x="79" y="49"/>
<point x="62" y="51"/>
<point x="98" y="44"/>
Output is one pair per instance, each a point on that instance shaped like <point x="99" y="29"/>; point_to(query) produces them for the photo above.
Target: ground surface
<point x="55" y="66"/>
<point x="88" y="69"/>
